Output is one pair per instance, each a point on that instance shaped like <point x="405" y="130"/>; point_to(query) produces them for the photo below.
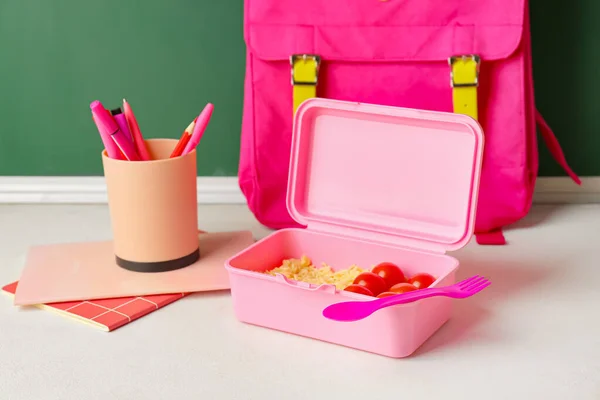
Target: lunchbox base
<point x="287" y="306"/>
<point x="393" y="353"/>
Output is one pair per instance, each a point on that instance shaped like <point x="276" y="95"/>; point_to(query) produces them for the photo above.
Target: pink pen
<point x="136" y="134"/>
<point x="105" y="120"/>
<point x="112" y="150"/>
<point x="120" y="119"/>
<point x="199" y="128"/>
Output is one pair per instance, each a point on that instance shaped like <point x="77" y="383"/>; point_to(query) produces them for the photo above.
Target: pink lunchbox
<point x="371" y="184"/>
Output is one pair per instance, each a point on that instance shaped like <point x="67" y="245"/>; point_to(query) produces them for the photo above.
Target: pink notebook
<point x="106" y="314"/>
<point x="87" y="271"/>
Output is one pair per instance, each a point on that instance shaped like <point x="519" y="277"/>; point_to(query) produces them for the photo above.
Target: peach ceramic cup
<point x="153" y="209"/>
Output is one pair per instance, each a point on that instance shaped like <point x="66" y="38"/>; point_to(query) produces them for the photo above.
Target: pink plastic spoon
<point x="356" y="310"/>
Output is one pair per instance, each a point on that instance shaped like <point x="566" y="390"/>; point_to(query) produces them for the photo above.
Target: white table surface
<point x="534" y="334"/>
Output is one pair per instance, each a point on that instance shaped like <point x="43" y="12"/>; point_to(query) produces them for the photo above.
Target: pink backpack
<point x="467" y="56"/>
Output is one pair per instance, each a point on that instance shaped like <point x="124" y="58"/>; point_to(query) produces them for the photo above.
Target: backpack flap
<point x="384" y="52"/>
<point x="385" y="31"/>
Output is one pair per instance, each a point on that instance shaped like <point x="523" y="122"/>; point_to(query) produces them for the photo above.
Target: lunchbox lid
<point x="384" y="173"/>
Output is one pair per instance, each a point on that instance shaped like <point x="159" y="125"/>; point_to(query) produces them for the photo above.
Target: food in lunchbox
<point x="384" y="279"/>
<point x="394" y="280"/>
<point x="303" y="270"/>
<point x="390" y="273"/>
<point x="358" y="289"/>
<point x="385" y="294"/>
<point x="403" y="288"/>
<point x="422" y="280"/>
<point x="371" y="281"/>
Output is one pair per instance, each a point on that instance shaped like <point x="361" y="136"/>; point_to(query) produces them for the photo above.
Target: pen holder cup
<point x="153" y="209"/>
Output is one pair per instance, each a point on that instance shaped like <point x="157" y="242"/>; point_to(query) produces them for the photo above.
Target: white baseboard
<point x="559" y="190"/>
<point x="225" y="190"/>
<point x="92" y="190"/>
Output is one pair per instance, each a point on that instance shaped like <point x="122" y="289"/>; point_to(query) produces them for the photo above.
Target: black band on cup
<point x="159" y="266"/>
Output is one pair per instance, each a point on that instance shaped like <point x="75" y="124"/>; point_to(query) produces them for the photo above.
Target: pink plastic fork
<point x="355" y="310"/>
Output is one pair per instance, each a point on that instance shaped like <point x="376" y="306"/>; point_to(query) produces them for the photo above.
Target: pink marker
<point x="106" y="121"/>
<point x="199" y="128"/>
<point x="120" y="119"/>
<point x="112" y="150"/>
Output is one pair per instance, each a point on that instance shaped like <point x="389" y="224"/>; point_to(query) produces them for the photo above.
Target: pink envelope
<point x="86" y="271"/>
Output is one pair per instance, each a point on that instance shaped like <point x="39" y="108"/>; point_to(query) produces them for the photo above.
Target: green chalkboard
<point x="169" y="58"/>
<point x="566" y="53"/>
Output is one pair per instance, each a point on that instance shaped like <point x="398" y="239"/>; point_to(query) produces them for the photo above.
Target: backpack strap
<point x="305" y="76"/>
<point x="464" y="80"/>
<point x="491" y="238"/>
<point x="554" y="146"/>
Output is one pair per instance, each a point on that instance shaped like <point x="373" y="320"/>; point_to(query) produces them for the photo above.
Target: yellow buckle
<point x="304" y="58"/>
<point x="473" y="76"/>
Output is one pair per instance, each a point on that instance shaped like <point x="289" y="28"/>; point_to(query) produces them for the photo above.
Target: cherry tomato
<point x="386" y="294"/>
<point x="371" y="281"/>
<point x="421" y="281"/>
<point x="390" y="273"/>
<point x="402" y="288"/>
<point x="358" y="289"/>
